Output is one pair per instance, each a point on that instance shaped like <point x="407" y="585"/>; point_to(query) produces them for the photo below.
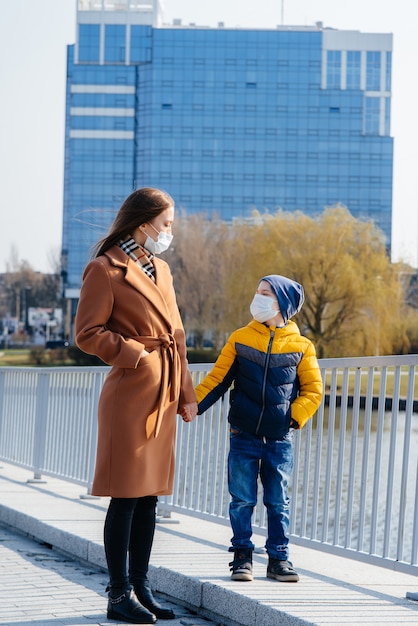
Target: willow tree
<point x="244" y="272"/>
<point x="352" y="291"/>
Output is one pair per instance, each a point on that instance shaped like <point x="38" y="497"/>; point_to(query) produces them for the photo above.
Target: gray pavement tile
<point x="42" y="587"/>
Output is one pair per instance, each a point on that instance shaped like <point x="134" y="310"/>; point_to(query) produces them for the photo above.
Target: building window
<point x="140" y="44"/>
<point x="388" y="70"/>
<point x="333" y="69"/>
<point x="373" y="71"/>
<point x="89" y="43"/>
<point x="372" y="116"/>
<point x="353" y="69"/>
<point x="115" y="43"/>
<point x="387" y="116"/>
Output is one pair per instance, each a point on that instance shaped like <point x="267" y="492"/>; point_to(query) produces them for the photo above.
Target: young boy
<point x="277" y="388"/>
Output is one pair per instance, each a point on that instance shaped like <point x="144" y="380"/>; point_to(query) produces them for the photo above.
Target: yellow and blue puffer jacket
<point x="276" y="379"/>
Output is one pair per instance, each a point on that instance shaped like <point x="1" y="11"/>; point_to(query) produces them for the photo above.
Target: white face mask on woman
<point x="162" y="243"/>
<point x="261" y="308"/>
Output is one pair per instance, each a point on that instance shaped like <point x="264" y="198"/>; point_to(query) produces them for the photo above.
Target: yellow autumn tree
<point x="352" y="291"/>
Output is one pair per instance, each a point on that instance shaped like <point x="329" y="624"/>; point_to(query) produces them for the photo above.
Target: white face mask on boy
<point x="261" y="308"/>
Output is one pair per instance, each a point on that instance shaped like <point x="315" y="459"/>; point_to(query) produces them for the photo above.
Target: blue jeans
<point x="250" y="456"/>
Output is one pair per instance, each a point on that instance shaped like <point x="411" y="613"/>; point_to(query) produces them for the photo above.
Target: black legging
<point x="129" y="527"/>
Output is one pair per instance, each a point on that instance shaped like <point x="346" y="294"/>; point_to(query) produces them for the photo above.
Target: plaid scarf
<point x="138" y="254"/>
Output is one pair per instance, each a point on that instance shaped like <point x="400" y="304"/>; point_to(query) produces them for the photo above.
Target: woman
<point x="128" y="316"/>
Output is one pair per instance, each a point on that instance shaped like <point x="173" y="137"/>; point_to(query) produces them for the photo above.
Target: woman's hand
<point x="188" y="411"/>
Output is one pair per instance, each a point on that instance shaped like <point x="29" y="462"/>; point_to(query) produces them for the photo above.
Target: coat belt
<point x="170" y="371"/>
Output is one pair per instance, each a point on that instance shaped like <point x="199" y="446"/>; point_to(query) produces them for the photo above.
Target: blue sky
<point x="33" y="39"/>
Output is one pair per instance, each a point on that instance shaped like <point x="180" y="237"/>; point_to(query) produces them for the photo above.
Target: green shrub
<point x="82" y="358"/>
<point x="37" y="356"/>
<point x="208" y="355"/>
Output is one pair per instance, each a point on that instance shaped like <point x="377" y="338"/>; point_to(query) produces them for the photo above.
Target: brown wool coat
<point x="121" y="311"/>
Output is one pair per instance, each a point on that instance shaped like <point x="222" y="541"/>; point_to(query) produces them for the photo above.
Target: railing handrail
<point x="348" y="458"/>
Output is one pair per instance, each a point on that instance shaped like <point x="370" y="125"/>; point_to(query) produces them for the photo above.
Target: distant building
<point x="226" y="120"/>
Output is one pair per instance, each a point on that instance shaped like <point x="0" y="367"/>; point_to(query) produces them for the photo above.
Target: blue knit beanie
<point x="289" y="294"/>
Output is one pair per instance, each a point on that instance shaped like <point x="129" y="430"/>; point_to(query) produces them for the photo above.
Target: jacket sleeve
<point x="310" y="387"/>
<point x="93" y="313"/>
<point x="219" y="379"/>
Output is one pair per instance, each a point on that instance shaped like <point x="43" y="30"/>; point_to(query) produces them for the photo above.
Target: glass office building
<point x="226" y="120"/>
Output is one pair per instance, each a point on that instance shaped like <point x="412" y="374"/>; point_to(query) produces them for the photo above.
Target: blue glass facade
<point x="226" y="121"/>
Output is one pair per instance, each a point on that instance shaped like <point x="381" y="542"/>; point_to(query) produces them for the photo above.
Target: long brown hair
<point x="142" y="206"/>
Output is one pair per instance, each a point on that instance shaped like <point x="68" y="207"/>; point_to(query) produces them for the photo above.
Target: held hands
<point x="188" y="411"/>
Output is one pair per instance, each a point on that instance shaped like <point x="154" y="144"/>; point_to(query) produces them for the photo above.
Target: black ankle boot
<point x="144" y="595"/>
<point x="123" y="606"/>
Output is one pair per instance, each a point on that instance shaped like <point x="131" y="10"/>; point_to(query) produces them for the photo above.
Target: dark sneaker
<point x="282" y="571"/>
<point x="242" y="565"/>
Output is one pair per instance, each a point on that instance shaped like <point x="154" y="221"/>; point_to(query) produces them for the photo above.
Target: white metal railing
<point x="355" y="481"/>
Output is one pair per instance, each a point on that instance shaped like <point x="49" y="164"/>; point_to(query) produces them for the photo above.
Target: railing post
<point x="2" y="383"/>
<point x="41" y="417"/>
<point x="405" y="464"/>
<point x="414" y="549"/>
<point x="97" y="386"/>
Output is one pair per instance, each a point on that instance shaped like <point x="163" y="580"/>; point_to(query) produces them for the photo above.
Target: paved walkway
<point x="41" y="587"/>
<point x="189" y="565"/>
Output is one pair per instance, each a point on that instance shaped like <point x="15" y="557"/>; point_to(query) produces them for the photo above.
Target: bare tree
<point x="352" y="291"/>
<point x="197" y="259"/>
